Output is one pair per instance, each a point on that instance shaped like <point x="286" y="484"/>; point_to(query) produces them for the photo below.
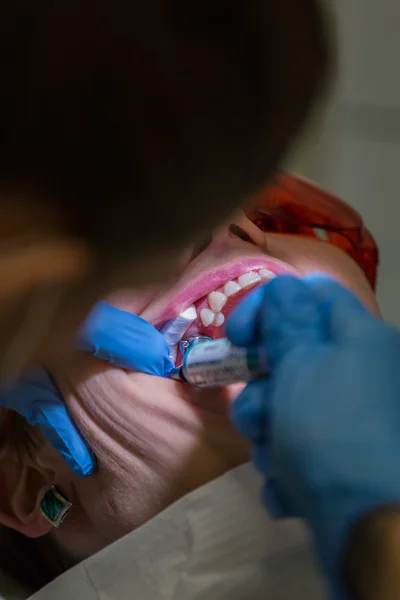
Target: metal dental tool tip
<point x="184" y="346"/>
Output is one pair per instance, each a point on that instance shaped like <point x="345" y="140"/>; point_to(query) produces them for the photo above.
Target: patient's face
<point x="156" y="439"/>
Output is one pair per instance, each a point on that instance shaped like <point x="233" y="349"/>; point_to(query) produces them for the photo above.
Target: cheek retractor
<point x="174" y="330"/>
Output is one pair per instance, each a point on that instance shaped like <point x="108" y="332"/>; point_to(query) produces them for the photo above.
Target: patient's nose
<point x="239" y="227"/>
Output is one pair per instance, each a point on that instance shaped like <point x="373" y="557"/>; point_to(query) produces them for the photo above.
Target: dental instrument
<point x="175" y="329"/>
<point x="209" y="363"/>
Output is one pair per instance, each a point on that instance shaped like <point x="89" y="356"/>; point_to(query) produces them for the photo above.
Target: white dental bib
<point x="215" y="543"/>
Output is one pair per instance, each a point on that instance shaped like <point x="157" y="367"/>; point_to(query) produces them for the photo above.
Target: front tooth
<point x="231" y="287"/>
<point x="248" y="279"/>
<point x="219" y="319"/>
<point x="217" y="301"/>
<point x="207" y="316"/>
<point x="266" y="274"/>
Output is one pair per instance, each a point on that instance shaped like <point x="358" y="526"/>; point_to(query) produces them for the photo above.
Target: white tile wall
<point x="356" y="150"/>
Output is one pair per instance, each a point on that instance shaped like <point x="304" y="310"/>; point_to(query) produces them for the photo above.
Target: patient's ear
<point x="22" y="487"/>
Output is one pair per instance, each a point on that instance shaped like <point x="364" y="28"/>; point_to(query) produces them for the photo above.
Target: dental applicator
<point x="211" y="363"/>
<point x="174" y="330"/>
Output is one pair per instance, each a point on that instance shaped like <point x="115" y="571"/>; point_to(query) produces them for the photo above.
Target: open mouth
<point x="211" y="299"/>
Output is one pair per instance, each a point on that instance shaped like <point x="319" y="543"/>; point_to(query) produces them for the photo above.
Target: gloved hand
<point x="325" y="426"/>
<point x="116" y="336"/>
<point x="125" y="340"/>
<point x="36" y="397"/>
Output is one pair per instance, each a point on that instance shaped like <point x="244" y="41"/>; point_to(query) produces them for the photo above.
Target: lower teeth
<point x="193" y="339"/>
<point x="207" y="316"/>
<point x="219" y="320"/>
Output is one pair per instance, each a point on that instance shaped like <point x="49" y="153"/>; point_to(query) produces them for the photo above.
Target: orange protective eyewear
<point x="294" y="206"/>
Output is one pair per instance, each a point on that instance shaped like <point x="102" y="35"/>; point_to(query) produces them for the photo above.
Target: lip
<point x="213" y="279"/>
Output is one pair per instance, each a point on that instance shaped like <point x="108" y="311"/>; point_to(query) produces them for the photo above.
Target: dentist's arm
<point x="371" y="561"/>
<point x="325" y="427"/>
<point x="113" y="335"/>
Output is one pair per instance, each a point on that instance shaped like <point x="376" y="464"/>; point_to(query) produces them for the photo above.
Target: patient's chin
<point x="214" y="400"/>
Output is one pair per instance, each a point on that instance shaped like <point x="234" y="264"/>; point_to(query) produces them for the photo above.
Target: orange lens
<point x="294" y="206"/>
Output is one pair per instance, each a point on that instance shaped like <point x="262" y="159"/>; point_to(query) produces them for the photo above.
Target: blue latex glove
<point x="36" y="398"/>
<point x="116" y="336"/>
<point x="125" y="340"/>
<point x="325" y="426"/>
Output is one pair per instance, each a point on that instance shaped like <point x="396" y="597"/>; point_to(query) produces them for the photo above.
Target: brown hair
<point x="31" y="562"/>
<point x="122" y="111"/>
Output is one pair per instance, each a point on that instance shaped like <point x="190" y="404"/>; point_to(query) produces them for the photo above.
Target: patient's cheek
<point x="155" y="441"/>
<point x="308" y="256"/>
<point x="134" y="300"/>
<point x="139" y="423"/>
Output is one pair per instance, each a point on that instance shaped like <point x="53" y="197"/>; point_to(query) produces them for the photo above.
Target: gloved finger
<point x="58" y="428"/>
<point x="125" y="340"/>
<point x="259" y="457"/>
<point x="329" y="291"/>
<point x="275" y="502"/>
<point x="37" y="399"/>
<point x="345" y="314"/>
<point x="168" y="366"/>
<point x="290" y="317"/>
<point x="242" y="325"/>
<point x="249" y="411"/>
<point x="137" y="346"/>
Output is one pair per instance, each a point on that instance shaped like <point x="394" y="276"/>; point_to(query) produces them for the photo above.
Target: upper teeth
<point x="231" y="287"/>
<point x="212" y="315"/>
<point x="174" y="330"/>
<point x="248" y="279"/>
<point x="266" y="274"/>
<point x="217" y="301"/>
